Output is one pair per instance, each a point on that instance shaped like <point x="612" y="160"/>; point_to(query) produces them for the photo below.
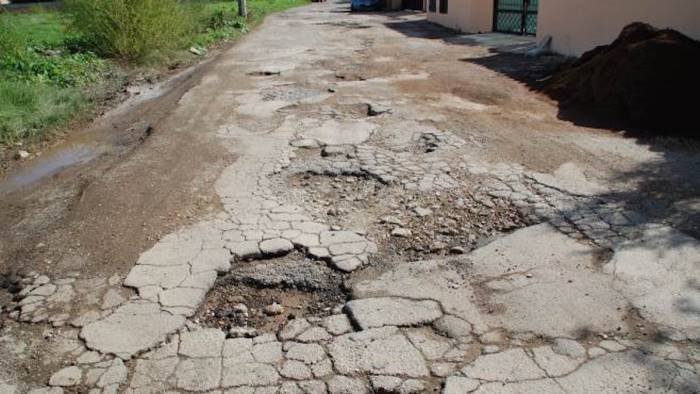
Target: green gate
<point x="515" y="16"/>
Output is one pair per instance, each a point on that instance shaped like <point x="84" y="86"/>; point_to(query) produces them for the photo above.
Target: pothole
<point x="429" y="142"/>
<point x="407" y="224"/>
<point x="290" y="93"/>
<point x="358" y="110"/>
<point x="10" y="285"/>
<point x="346" y="24"/>
<point x="363" y="109"/>
<point x="263" y="73"/>
<point x="11" y="282"/>
<point x="640" y="328"/>
<point x="350" y="72"/>
<point x="260" y="296"/>
<point x="337" y="198"/>
<point x="450" y="222"/>
<point x="349" y="76"/>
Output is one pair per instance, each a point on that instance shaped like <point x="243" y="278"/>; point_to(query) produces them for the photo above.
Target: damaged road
<point x="397" y="219"/>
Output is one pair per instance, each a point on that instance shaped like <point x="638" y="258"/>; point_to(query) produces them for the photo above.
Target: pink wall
<point x="469" y="16"/>
<point x="577" y="26"/>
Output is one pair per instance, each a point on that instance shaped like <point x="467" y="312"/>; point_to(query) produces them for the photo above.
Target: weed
<point x="132" y="29"/>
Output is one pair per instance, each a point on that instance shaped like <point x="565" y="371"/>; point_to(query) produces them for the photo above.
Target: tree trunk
<point x="242" y="8"/>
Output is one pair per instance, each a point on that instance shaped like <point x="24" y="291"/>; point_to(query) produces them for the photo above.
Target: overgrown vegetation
<point x="130" y="29"/>
<point x="57" y="64"/>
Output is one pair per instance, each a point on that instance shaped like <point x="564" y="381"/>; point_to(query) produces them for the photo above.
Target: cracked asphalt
<point x="484" y="243"/>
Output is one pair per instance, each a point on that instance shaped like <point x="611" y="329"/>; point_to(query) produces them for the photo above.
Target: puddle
<point x="48" y="164"/>
<point x="85" y="146"/>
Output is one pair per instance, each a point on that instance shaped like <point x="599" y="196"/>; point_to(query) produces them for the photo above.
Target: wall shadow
<point x="535" y="71"/>
<point x="421" y="28"/>
<point x="667" y="189"/>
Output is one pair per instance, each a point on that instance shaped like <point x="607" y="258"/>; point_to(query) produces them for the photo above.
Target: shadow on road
<point x="535" y="72"/>
<point x="419" y="28"/>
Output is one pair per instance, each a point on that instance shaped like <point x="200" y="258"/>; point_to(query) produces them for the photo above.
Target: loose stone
<point x="66" y="377"/>
<point x="242" y="332"/>
<point x="274" y="309"/>
<point x="401" y="232"/>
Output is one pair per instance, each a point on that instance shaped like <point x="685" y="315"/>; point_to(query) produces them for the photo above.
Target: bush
<point x="132" y="29"/>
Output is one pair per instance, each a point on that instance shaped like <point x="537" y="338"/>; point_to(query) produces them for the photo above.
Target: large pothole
<point x="260" y="296"/>
<point x="290" y="92"/>
<point x="406" y="224"/>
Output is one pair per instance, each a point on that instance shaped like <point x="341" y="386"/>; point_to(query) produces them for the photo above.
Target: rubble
<point x="606" y="80"/>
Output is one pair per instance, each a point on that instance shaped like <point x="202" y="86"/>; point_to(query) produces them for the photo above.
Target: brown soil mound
<point x="647" y="78"/>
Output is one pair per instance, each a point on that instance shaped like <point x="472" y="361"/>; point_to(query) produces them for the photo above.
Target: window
<point x="443" y="6"/>
<point x="431" y="5"/>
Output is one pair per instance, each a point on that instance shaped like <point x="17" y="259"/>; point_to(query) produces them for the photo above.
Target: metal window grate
<point x="431" y="5"/>
<point x="516" y="16"/>
<point x="443" y="6"/>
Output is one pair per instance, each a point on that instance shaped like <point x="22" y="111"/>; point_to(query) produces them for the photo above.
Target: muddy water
<point x="82" y="147"/>
<point x="77" y="150"/>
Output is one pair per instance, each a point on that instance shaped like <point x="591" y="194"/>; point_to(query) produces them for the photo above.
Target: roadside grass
<point x="46" y="80"/>
<point x="56" y="66"/>
<point x="39" y="25"/>
<point x="27" y="110"/>
<point x="222" y="21"/>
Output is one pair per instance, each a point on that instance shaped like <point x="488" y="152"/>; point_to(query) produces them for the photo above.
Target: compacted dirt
<point x="352" y="203"/>
<point x="144" y="178"/>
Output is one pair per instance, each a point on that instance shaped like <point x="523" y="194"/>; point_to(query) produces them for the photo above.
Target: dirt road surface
<point x="352" y="203"/>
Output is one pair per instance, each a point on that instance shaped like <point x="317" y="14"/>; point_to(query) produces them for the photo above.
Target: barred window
<point x="443" y="6"/>
<point x="431" y="5"/>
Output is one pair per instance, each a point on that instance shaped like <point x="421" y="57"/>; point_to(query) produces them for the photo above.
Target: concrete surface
<point x="580" y="292"/>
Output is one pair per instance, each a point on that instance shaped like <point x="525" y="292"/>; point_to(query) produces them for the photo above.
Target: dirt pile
<point x="647" y="78"/>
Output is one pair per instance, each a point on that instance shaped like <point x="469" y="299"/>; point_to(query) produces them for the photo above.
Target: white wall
<point x="469" y="16"/>
<point x="577" y="26"/>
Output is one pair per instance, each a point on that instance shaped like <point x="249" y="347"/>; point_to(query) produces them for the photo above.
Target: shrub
<point x="132" y="29"/>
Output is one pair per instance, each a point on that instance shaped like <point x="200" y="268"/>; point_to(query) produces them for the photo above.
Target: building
<point x="575" y="26"/>
<point x="471" y="16"/>
<point x="398" y="5"/>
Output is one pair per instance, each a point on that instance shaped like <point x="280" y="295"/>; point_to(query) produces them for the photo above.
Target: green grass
<point x="55" y="65"/>
<point x="40" y="27"/>
<point x="27" y="110"/>
<point x="44" y="82"/>
<point x="222" y="21"/>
